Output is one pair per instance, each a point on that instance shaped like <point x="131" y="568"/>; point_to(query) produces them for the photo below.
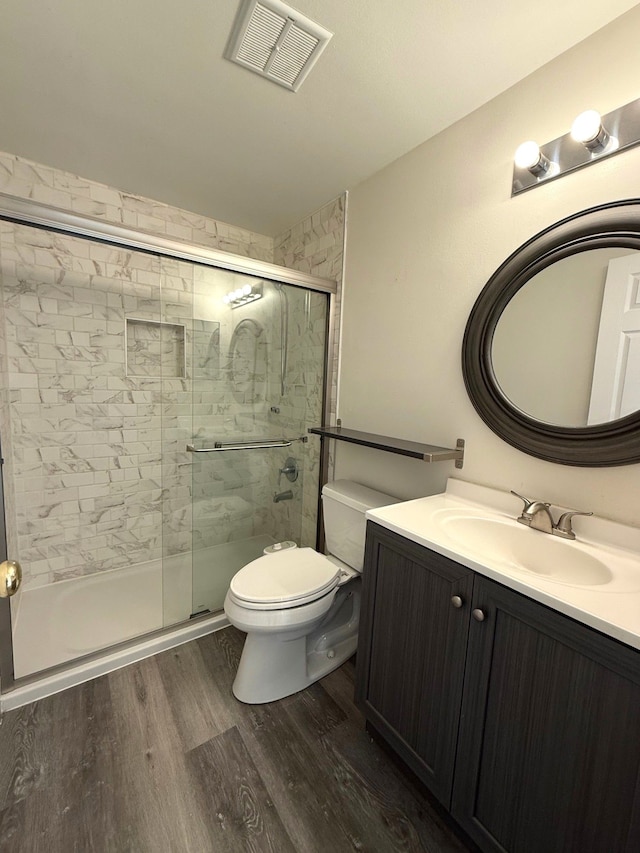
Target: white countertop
<point x="612" y="607"/>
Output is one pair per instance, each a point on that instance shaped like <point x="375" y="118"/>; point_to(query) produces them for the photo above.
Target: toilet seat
<point x="286" y="579"/>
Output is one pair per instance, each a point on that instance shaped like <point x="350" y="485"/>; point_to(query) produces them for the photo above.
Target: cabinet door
<point x="411" y="652"/>
<point x="549" y="750"/>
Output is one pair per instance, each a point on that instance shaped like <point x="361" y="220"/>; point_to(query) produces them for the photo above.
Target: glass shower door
<point x="83" y="373"/>
<point x="232" y="517"/>
<point x="258" y="373"/>
<point x="112" y="361"/>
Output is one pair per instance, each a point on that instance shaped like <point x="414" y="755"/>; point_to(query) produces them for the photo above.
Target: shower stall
<point x="156" y="402"/>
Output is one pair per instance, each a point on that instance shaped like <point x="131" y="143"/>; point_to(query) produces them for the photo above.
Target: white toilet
<point x="300" y="609"/>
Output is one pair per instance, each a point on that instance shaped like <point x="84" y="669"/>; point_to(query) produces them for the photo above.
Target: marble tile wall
<point x="28" y="180"/>
<point x="249" y="403"/>
<point x="102" y="476"/>
<point x="231" y="489"/>
<point x="86" y="438"/>
<point x="96" y="454"/>
<point x="316" y="246"/>
<point x="300" y="406"/>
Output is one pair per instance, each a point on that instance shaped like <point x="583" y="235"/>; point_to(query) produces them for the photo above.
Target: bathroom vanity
<point x="512" y="693"/>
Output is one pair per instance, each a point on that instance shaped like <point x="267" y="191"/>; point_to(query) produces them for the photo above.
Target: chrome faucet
<point x="537" y="515"/>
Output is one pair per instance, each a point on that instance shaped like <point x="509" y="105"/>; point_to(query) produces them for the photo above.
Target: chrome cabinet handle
<point x="457" y="601"/>
<point x="478" y="615"/>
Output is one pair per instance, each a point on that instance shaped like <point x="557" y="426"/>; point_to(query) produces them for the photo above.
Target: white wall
<point x="425" y="234"/>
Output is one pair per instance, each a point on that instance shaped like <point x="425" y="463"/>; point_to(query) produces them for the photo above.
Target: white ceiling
<point x="136" y="94"/>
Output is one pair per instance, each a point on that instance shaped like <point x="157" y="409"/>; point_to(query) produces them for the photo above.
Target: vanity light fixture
<point x="243" y="295"/>
<point x="592" y="137"/>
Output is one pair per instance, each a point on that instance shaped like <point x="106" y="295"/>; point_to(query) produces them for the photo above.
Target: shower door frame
<point x="48" y="218"/>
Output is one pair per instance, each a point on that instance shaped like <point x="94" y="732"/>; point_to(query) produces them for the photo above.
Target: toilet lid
<point x="286" y="579"/>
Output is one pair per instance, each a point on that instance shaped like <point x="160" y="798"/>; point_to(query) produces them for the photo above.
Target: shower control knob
<point x="290" y="470"/>
<point x="457" y="601"/>
<point x="478" y="615"/>
<point x="10" y="578"/>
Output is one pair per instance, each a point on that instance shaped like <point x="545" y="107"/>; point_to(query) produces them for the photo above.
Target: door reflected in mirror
<point x="566" y="349"/>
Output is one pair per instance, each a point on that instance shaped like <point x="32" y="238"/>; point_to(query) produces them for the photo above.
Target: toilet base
<point x="273" y="666"/>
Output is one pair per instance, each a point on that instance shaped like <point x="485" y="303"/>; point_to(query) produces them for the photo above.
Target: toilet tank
<point x="344" y="504"/>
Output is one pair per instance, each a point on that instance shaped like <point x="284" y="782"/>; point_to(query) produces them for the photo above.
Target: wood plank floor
<point x="159" y="756"/>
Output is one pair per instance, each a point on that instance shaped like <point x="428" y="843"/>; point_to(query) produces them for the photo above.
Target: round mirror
<point x="551" y="353"/>
<point x="562" y="316"/>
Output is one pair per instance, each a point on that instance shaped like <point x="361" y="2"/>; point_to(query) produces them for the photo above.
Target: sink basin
<point x="522" y="549"/>
<point x="594" y="579"/>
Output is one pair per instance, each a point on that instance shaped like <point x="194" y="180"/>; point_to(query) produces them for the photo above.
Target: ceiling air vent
<point x="276" y="42"/>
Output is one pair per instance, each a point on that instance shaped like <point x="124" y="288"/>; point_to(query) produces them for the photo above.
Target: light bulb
<point x="246" y="290"/>
<point x="589" y="130"/>
<point x="586" y="126"/>
<point x="527" y="155"/>
<point x="226" y="298"/>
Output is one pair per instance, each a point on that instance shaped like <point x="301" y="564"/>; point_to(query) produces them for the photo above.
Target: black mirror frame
<point x="600" y="445"/>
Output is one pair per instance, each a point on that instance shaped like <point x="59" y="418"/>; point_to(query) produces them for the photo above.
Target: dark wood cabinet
<point x="525" y="724"/>
<point x="416" y="639"/>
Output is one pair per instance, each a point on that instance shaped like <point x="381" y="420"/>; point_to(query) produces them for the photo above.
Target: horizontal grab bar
<point x="259" y="444"/>
<point x="252" y="446"/>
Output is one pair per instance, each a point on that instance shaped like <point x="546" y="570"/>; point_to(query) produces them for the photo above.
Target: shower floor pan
<point x="58" y="623"/>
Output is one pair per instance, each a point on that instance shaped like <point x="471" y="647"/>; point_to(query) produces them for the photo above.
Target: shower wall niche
<point x="155" y="349"/>
<point x="114" y="360"/>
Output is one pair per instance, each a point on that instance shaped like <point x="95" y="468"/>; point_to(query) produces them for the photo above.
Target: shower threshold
<point x="59" y="678"/>
<point x="74" y="630"/>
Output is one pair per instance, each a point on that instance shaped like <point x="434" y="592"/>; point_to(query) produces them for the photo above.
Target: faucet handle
<point x="290" y="470"/>
<point x="527" y="502"/>
<point x="563" y="527"/>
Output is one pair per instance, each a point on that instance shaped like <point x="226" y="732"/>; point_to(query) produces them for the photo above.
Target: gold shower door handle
<point x="10" y="578"/>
